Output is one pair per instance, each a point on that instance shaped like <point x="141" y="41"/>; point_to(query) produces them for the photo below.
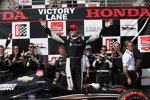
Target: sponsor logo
<point x="25" y="79"/>
<point x="13" y="16"/>
<point x="20" y="30"/>
<point x="117" y="12"/>
<point x="128" y="28"/>
<point x="7" y="87"/>
<point x="57" y="26"/>
<point x="39" y="73"/>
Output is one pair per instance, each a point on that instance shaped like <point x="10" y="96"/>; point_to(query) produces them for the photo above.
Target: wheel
<point x="133" y="94"/>
<point x="119" y="88"/>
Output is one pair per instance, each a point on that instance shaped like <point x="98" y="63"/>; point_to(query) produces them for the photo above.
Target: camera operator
<point x="103" y="65"/>
<point x="117" y="72"/>
<point x="33" y="59"/>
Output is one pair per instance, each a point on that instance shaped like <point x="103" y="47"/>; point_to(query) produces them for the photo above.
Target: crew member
<point x="103" y="65"/>
<point x="117" y="72"/>
<point x="91" y="58"/>
<point x="60" y="65"/>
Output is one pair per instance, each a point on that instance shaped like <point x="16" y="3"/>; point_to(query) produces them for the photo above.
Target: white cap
<point x="88" y="47"/>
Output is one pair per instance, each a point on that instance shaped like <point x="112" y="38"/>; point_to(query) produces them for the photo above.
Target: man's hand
<point x="10" y="35"/>
<point x="137" y="75"/>
<point x="42" y="22"/>
<point x="23" y="54"/>
<point x="108" y="23"/>
<point x="129" y="81"/>
<point x="87" y="75"/>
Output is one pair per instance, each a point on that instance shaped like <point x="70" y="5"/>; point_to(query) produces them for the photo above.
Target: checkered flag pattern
<point x="112" y="42"/>
<point x="23" y="29"/>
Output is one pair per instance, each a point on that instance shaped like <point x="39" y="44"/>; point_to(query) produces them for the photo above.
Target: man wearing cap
<point x="91" y="58"/>
<point x="75" y="45"/>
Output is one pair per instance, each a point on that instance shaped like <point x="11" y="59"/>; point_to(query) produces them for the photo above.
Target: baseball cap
<point x="88" y="47"/>
<point x="73" y="27"/>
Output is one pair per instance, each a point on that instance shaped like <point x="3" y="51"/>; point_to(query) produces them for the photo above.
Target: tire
<point x="133" y="94"/>
<point x="119" y="88"/>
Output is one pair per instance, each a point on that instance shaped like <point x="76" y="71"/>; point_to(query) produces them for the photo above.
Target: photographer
<point x="102" y="65"/>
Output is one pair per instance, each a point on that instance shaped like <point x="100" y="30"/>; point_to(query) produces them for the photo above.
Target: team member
<point x="117" y="72"/>
<point x="91" y="58"/>
<point x="85" y="65"/>
<point x="103" y="65"/>
<point x="75" y="44"/>
<point x="60" y="65"/>
<point x="129" y="68"/>
<point x="138" y="57"/>
<point x="5" y="63"/>
<point x="18" y="61"/>
<point x="33" y="59"/>
<point x="5" y="73"/>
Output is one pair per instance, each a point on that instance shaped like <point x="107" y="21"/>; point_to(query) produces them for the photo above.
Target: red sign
<point x="57" y="25"/>
<point x="145" y="40"/>
<point x="13" y="16"/>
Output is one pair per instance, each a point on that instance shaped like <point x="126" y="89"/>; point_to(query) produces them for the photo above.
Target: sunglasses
<point x="31" y="47"/>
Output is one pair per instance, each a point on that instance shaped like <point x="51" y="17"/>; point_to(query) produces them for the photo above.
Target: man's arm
<point x="87" y="66"/>
<point x="8" y="40"/>
<point x="127" y="74"/>
<point x="96" y="36"/>
<point x="125" y="60"/>
<point x="50" y="33"/>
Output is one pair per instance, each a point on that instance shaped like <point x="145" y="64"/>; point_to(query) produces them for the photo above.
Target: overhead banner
<point x="74" y="13"/>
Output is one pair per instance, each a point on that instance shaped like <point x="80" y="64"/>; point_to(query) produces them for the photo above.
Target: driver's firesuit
<point x="74" y="49"/>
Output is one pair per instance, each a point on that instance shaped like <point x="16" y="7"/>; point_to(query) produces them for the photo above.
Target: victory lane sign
<point x="74" y="13"/>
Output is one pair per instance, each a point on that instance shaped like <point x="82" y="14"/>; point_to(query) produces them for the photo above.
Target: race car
<point x="36" y="85"/>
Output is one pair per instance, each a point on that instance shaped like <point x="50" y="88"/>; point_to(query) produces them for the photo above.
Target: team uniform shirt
<point x="86" y="63"/>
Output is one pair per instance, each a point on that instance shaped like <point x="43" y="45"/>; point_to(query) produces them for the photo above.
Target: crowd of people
<point x="77" y="65"/>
